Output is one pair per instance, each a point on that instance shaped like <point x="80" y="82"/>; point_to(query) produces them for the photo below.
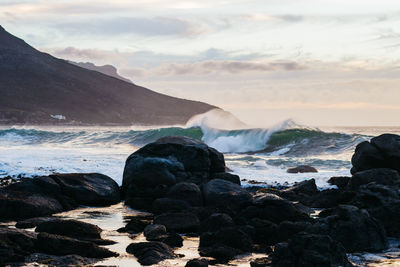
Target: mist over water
<point x="253" y="153"/>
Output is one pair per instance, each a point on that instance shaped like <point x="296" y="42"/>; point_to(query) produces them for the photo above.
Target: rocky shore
<point x="186" y="192"/>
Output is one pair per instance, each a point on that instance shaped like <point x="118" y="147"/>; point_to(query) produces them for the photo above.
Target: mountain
<point x="37" y="88"/>
<point x="105" y="69"/>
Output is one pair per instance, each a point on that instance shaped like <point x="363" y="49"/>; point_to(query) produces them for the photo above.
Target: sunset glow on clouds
<point x="318" y="62"/>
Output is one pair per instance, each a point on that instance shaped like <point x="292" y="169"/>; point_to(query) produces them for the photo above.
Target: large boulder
<point x="164" y="205"/>
<point x="181" y="222"/>
<point x="151" y="171"/>
<point x="355" y="229"/>
<point x="383" y="176"/>
<point x="45" y="195"/>
<point x="310" y="250"/>
<point x="381" y="152"/>
<point x="302" y="169"/>
<point x="219" y="192"/>
<point x="149" y="253"/>
<point x="15" y="245"/>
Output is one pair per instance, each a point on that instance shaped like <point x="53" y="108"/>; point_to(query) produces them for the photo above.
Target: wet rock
<point x="149" y="253"/>
<point x="300" y="190"/>
<point x="215" y="222"/>
<point x="33" y="222"/>
<point x="265" y="231"/>
<point x="302" y="169"/>
<point x="355" y="229"/>
<point x="154" y="231"/>
<point x="172" y="240"/>
<point x="62" y="245"/>
<point x="233" y="237"/>
<point x="219" y="192"/>
<point x="389" y="146"/>
<point x="15" y="244"/>
<point x="221" y="253"/>
<point x="389" y="215"/>
<point x="181" y="222"/>
<point x="188" y="192"/>
<point x="135" y="225"/>
<point x="380" y="176"/>
<point x="197" y="263"/>
<point x="328" y="198"/>
<point x="164" y="205"/>
<point x="260" y="262"/>
<point x="340" y="181"/>
<point x="309" y="250"/>
<point x="227" y="177"/>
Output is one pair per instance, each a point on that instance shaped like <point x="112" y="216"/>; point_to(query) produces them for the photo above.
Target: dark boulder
<point x="52" y="260"/>
<point x="164" y="205"/>
<point x="149" y="253"/>
<point x="154" y="231"/>
<point x="265" y="232"/>
<point x="309" y="250"/>
<point x="380" y="176"/>
<point x="340" y="181"/>
<point x="216" y="222"/>
<point x="389" y="215"/>
<point x="92" y="189"/>
<point x="233" y="237"/>
<point x="188" y="192"/>
<point x="71" y="228"/>
<point x="62" y="245"/>
<point x="288" y="229"/>
<point x="227" y="177"/>
<point x="260" y="262"/>
<point x="328" y="198"/>
<point x="219" y="192"/>
<point x="33" y="222"/>
<point x="302" y="169"/>
<point x="300" y="190"/>
<point x="172" y="239"/>
<point x="382" y="152"/>
<point x="355" y="229"/>
<point x="181" y="222"/>
<point x="15" y="245"/>
<point x="197" y="263"/>
<point x="136" y="225"/>
<point x="221" y="253"/>
<point x="275" y="209"/>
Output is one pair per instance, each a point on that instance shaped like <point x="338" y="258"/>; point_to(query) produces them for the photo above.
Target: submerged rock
<point x="302" y="169"/>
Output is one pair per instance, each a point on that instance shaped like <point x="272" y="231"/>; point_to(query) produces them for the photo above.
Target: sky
<point x="320" y="63"/>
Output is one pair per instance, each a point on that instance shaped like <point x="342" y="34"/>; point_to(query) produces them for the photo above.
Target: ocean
<point x="255" y="154"/>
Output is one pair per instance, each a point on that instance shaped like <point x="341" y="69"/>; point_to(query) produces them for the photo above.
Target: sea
<point x="257" y="155"/>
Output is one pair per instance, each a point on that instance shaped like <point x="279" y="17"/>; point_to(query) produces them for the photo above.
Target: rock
<point x="197" y="263"/>
<point x="135" y="225"/>
<point x="389" y="215"/>
<point x="164" y="205"/>
<point x="33" y="222"/>
<point x="266" y="232"/>
<point x="71" y="228"/>
<point x="309" y="250"/>
<point x="92" y="189"/>
<point x="152" y="170"/>
<point x="227" y="177"/>
<point x="215" y="222"/>
<point x="301" y="169"/>
<point x="328" y="198"/>
<point x="232" y="237"/>
<point x="52" y="260"/>
<point x="15" y="245"/>
<point x="62" y="245"/>
<point x="374" y="195"/>
<point x="221" y="253"/>
<point x="172" y="240"/>
<point x="307" y="187"/>
<point x="389" y="146"/>
<point x="288" y="229"/>
<point x="382" y="152"/>
<point x="154" y="231"/>
<point x="181" y="222"/>
<point x="46" y="195"/>
<point x="219" y="192"/>
<point x="188" y="192"/>
<point x="355" y="229"/>
<point x="340" y="181"/>
<point x="149" y="253"/>
<point x="275" y="209"/>
<point x="15" y="205"/>
<point x="379" y="176"/>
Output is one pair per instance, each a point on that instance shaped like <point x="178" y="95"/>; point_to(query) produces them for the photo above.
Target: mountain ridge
<point x="37" y="88"/>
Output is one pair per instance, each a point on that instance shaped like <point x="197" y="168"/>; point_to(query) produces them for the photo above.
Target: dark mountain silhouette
<point x="35" y="87"/>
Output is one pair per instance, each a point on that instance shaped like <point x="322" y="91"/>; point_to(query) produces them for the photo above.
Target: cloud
<point x="232" y="67"/>
<point x="75" y="53"/>
<point x="157" y="26"/>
